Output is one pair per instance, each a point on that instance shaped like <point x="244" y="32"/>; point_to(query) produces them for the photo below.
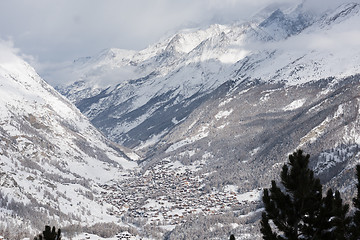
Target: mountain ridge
<point x="189" y="69"/>
<point x="52" y="158"/>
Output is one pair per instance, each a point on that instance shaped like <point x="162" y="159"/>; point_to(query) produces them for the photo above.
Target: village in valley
<point x="167" y="193"/>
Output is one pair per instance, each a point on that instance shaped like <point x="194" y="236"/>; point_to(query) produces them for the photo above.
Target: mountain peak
<point x="280" y="25"/>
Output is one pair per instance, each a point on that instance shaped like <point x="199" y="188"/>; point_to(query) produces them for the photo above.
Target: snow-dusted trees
<point x="299" y="211"/>
<point x="355" y="223"/>
<point x="49" y="234"/>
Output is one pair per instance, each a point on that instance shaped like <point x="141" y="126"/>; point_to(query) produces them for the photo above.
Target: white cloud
<point x="61" y="31"/>
<point x="7" y="52"/>
<point x="64" y="30"/>
<point x="335" y="41"/>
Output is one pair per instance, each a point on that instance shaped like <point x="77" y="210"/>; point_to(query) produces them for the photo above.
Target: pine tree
<point x="339" y="220"/>
<point x="232" y="237"/>
<point x="49" y="234"/>
<point x="301" y="212"/>
<point x="333" y="220"/>
<point x="325" y="214"/>
<point x="355" y="225"/>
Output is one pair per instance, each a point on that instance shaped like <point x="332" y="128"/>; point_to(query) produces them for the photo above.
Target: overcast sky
<point x="58" y="30"/>
<point x="53" y="31"/>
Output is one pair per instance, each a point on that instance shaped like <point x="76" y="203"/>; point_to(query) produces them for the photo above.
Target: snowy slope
<point x="135" y="98"/>
<point x="216" y="112"/>
<point x="325" y="49"/>
<point x="52" y="159"/>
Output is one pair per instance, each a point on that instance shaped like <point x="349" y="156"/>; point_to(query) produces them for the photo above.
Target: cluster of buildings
<point x="166" y="194"/>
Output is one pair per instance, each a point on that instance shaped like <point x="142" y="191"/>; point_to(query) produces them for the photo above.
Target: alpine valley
<point x="178" y="140"/>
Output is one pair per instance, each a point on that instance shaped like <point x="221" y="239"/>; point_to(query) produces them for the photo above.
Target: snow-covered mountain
<point x="53" y="162"/>
<point x="221" y="108"/>
<point x="136" y="98"/>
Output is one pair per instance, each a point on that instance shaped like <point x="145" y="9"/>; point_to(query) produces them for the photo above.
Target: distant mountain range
<point x="136" y="98"/>
<point x="206" y="119"/>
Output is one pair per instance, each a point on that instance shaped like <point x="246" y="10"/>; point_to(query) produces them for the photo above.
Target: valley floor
<point x="170" y="194"/>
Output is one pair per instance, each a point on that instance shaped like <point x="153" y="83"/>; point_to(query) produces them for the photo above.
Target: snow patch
<point x="203" y="133"/>
<point x="295" y="104"/>
<point x="223" y="103"/>
<point x="223" y="114"/>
